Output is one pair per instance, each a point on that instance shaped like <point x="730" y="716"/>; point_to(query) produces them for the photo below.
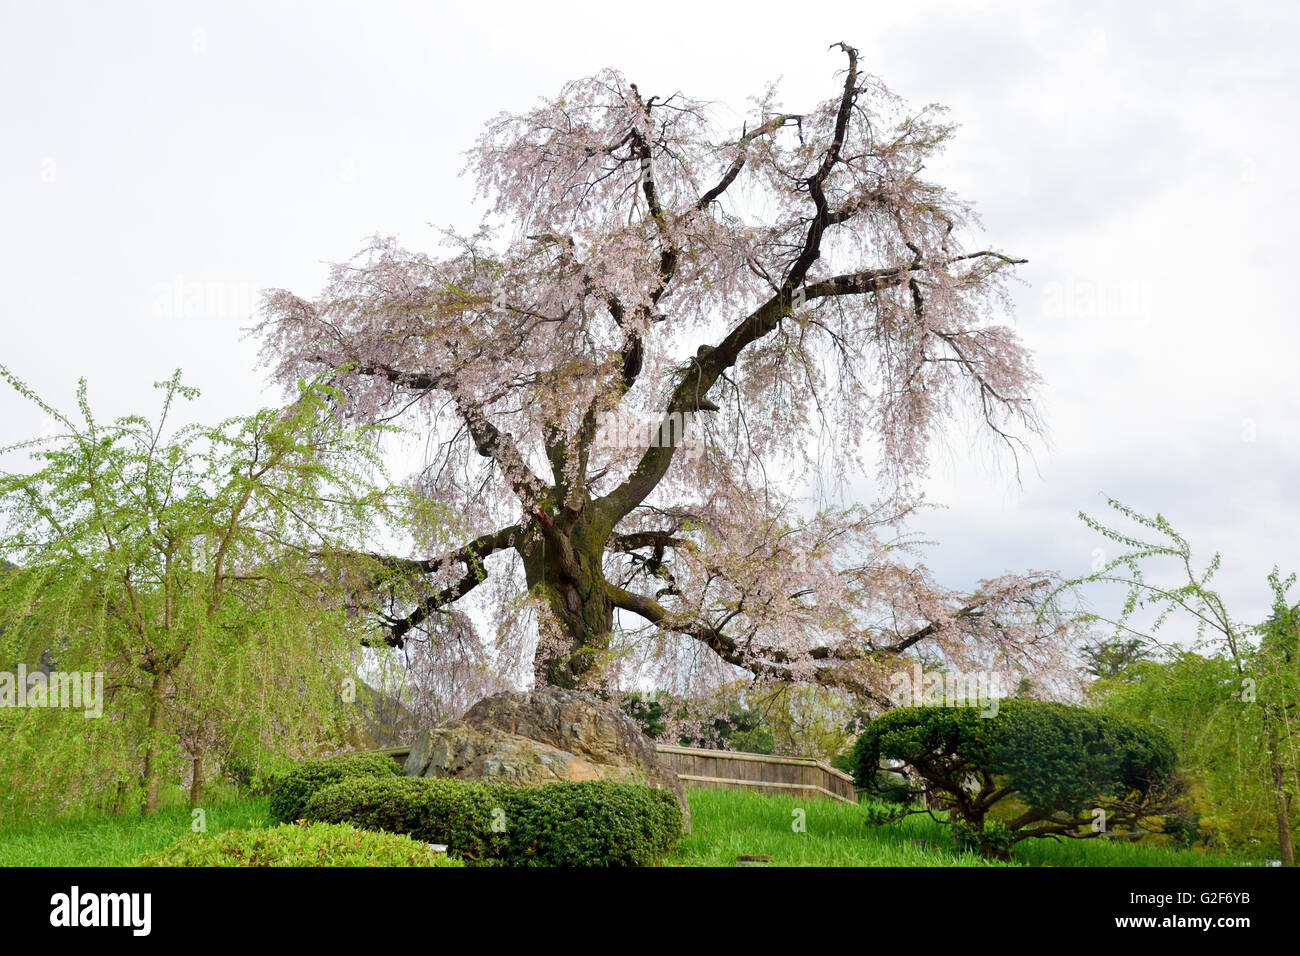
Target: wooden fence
<point x="728" y="769"/>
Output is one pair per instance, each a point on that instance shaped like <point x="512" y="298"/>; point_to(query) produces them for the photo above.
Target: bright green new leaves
<point x="203" y="573"/>
<point x="1232" y="699"/>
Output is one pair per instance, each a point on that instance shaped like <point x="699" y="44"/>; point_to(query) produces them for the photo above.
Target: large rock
<point x="543" y="736"/>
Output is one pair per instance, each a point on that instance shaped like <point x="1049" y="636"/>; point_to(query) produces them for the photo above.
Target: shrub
<point x="593" y="823"/>
<point x="1066" y="766"/>
<point x="453" y="812"/>
<point x="993" y="839"/>
<point x="877" y="813"/>
<point x="290" y="793"/>
<point x="893" y="787"/>
<point x="1184" y="828"/>
<point x="298" y="844"/>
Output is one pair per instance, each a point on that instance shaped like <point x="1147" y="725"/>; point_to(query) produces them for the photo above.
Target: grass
<point x="101" y="839"/>
<point x="726" y="824"/>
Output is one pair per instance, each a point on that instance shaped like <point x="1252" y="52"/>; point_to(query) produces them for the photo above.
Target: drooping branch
<point x="766" y="128"/>
<point x="626" y="245"/>
<point x="770" y="661"/>
<point x="471" y="555"/>
<point x="489" y="441"/>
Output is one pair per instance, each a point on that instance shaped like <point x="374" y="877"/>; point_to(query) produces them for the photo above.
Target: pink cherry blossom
<point x="795" y="290"/>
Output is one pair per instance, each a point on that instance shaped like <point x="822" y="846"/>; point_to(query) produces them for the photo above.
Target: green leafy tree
<point x="721" y="720"/>
<point x="1114" y="658"/>
<point x="1278" y="664"/>
<point x="1194" y="700"/>
<point x="1237" y="699"/>
<point x="1053" y="770"/>
<point x="805" y="720"/>
<point x="195" y="573"/>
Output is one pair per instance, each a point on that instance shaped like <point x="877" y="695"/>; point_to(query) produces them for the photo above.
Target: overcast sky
<point x="163" y="163"/>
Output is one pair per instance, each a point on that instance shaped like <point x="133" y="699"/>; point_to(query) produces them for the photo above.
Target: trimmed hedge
<point x="453" y="812"/>
<point x="1059" y="765"/>
<point x="298" y="844"/>
<point x="290" y="793"/>
<point x="592" y="823"/>
<point x="1055" y="756"/>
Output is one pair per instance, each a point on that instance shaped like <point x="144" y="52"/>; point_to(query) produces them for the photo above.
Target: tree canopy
<point x="191" y="570"/>
<point x="1067" y="771"/>
<point x="1234" y="694"/>
<point x="663" y="330"/>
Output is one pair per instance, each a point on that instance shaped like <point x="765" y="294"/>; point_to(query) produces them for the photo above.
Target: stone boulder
<point x="543" y="736"/>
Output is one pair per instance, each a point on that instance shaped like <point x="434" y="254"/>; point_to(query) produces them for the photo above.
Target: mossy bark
<point x="565" y="567"/>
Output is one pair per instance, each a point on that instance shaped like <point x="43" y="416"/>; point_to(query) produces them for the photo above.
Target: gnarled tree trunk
<point x="564" y="565"/>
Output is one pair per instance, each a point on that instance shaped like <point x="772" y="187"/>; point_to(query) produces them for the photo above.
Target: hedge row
<point x="290" y="792"/>
<point x="593" y="823"/>
<point x="298" y="844"/>
<point x="450" y="812"/>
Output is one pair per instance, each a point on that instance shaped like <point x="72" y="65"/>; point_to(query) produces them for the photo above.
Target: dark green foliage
<point x="1064" y="758"/>
<point x="993" y="839"/>
<point x="593" y="823"/>
<point x="456" y="813"/>
<point x="1116" y="658"/>
<point x="1061" y="763"/>
<point x="948" y="737"/>
<point x="298" y="844"/>
<point x="648" y="713"/>
<point x="1055" y="756"/>
<point x="290" y="793"/>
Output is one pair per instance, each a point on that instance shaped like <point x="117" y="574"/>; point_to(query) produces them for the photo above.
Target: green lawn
<point x="726" y="824"/>
<point x="107" y="840"/>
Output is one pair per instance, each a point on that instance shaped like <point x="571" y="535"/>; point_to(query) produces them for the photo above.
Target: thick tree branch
<point x="489" y="441"/>
<point x="471" y="555"/>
